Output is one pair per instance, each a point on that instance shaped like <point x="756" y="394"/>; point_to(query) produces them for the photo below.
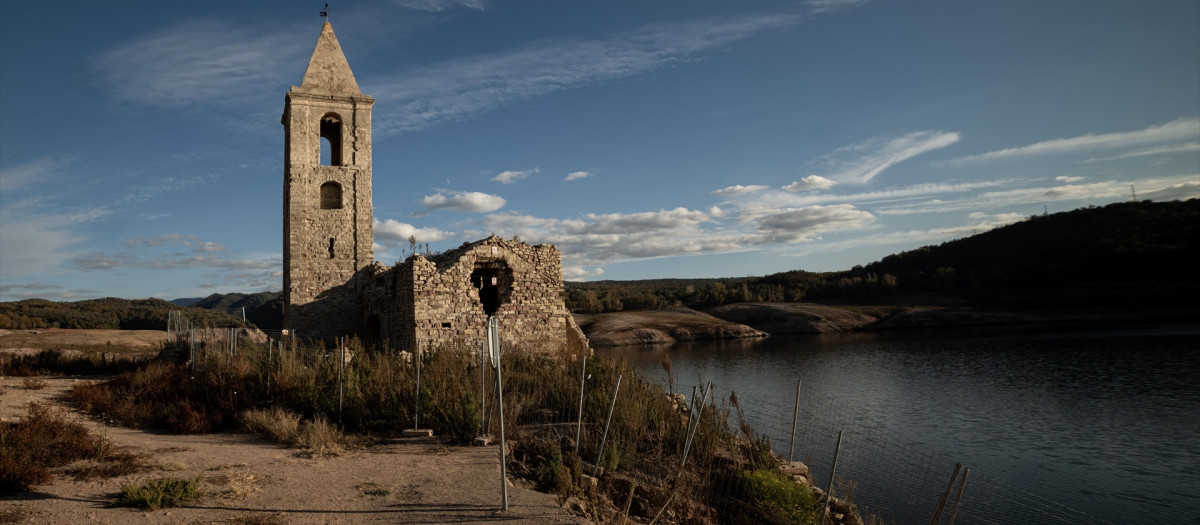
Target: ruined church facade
<point x="331" y="284"/>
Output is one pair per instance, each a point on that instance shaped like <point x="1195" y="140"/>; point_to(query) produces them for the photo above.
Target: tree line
<point x="1128" y="242"/>
<point x="108" y="313"/>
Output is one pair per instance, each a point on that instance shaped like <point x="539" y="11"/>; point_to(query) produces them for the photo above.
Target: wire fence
<point x="674" y="458"/>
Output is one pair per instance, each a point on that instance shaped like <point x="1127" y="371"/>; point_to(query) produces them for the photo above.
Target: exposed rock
<point x="659" y="326"/>
<point x="793" y="318"/>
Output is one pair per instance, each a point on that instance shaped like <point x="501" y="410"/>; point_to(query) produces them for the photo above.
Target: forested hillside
<point x="1131" y="242"/>
<point x="108" y="313"/>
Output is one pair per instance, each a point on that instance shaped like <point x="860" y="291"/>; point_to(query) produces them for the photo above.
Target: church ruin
<point x="332" y="286"/>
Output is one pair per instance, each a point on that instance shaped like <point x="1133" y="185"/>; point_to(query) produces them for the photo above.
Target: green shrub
<point x="157" y="494"/>
<point x="778" y="498"/>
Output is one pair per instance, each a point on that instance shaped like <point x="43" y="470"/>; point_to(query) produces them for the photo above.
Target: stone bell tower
<point x="326" y="195"/>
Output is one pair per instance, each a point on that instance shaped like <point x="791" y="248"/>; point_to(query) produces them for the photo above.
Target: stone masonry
<point x="331" y="284"/>
<point x="327" y="204"/>
<point x="446" y="299"/>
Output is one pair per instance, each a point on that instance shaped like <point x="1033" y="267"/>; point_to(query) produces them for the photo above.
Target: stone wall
<point x="426" y="303"/>
<point x="325" y="248"/>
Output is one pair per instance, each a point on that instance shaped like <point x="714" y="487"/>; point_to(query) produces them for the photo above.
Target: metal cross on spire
<point x="325" y="13"/>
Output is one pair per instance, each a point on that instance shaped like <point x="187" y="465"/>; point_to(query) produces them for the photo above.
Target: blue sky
<point x="141" y="151"/>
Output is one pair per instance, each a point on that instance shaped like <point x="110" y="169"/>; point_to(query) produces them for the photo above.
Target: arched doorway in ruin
<point x="493" y="279"/>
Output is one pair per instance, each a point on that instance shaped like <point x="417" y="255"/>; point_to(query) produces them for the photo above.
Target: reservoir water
<point x="1097" y="426"/>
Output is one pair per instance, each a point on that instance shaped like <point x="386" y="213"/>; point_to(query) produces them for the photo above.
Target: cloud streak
<point x="861" y="162"/>
<point x="1174" y="131"/>
<point x="457" y="89"/>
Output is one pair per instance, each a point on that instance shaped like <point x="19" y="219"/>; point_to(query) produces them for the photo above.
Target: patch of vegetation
<point x="259" y="519"/>
<point x="33" y="383"/>
<point x="294" y="395"/>
<point x="44" y="439"/>
<point x="159" y="493"/>
<point x="776" y="498"/>
<point x="372" y="489"/>
<point x="108" y="313"/>
<point x="317" y="437"/>
<point x="55" y="362"/>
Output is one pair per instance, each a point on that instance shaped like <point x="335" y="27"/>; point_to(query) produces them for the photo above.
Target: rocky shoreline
<point x="754" y="320"/>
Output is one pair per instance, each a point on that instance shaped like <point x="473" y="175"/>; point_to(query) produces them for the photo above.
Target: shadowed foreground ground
<point x="246" y="477"/>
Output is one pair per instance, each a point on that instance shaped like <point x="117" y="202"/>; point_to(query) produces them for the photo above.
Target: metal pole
<point x="832" y="473"/>
<point x="494" y="343"/>
<point x="341" y="367"/>
<point x="483" y="396"/>
<point x="687" y="445"/>
<point x="611" y="406"/>
<point x="417" y="403"/>
<point x="957" y="498"/>
<point x="937" y="511"/>
<point x="795" y="412"/>
<point x="579" y="422"/>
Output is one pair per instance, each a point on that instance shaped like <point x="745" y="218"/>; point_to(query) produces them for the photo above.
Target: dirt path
<point x="248" y="478"/>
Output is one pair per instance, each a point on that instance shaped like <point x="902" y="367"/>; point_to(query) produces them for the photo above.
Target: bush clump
<point x="44" y="439"/>
<point x="159" y="493"/>
<point x="779" y="499"/>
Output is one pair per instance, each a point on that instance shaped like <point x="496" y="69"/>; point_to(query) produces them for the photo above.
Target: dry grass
<point x="276" y="422"/>
<point x="42" y="440"/>
<point x="318" y="438"/>
<point x="238" y="485"/>
<point x="259" y="519"/>
<point x="33" y="383"/>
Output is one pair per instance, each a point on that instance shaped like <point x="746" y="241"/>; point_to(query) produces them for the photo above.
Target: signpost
<point x="493" y="338"/>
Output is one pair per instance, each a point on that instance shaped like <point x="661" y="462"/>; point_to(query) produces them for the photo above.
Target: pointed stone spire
<point x="328" y="72"/>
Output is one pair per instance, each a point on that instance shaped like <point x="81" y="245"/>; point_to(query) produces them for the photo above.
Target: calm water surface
<point x="1103" y="422"/>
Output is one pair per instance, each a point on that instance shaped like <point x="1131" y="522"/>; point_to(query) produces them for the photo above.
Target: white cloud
<point x="576" y="175"/>
<point x="32" y="247"/>
<point x="579" y="273"/>
<point x="977" y="223"/>
<point x="1157" y="188"/>
<point x="1182" y="129"/>
<point x="1069" y="178"/>
<point x="41" y="169"/>
<point x="806" y="224"/>
<point x="822" y="6"/>
<point x="861" y="162"/>
<point x="203" y="63"/>
<point x="599" y="238"/>
<point x="1173" y="192"/>
<point x="465" y="201"/>
<point x="509" y="177"/>
<point x="645" y="221"/>
<point x="210" y="247"/>
<point x="456" y="89"/>
<point x="441" y="5"/>
<point x="97" y="261"/>
<point x="396" y="233"/>
<point x="739" y="189"/>
<point x="1146" y="152"/>
<point x="42" y="291"/>
<point x="811" y="182"/>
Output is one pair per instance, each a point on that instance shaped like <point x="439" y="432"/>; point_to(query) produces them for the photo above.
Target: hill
<point x="108" y="313"/>
<point x="1107" y="254"/>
